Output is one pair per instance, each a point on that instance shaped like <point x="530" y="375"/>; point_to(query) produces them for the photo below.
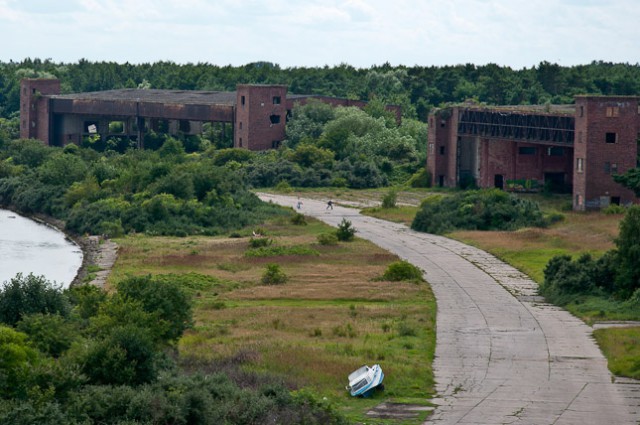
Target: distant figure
<point x="299" y="204"/>
<point x="330" y="204"/>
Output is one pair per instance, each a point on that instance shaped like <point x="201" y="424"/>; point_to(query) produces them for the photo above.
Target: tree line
<point x="416" y="88"/>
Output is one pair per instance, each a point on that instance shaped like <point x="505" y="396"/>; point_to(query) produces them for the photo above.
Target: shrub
<point x="614" y="209"/>
<point x="490" y="209"/>
<point x="49" y="333"/>
<point x="284" y="186"/>
<point x="260" y="242"/>
<point x="402" y="270"/>
<point x="299" y="220"/>
<point x="327" y="239"/>
<point x="273" y="275"/>
<point x="389" y="199"/>
<point x="272" y="251"/>
<point x="163" y="298"/>
<point x="126" y="357"/>
<point x="422" y="178"/>
<point x="346" y="232"/>
<point x="31" y="294"/>
<point x="339" y="182"/>
<point x="404" y="329"/>
<point x="564" y="278"/>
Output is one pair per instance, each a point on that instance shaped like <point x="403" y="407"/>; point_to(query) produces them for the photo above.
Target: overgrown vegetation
<point x="112" y="359"/>
<point x="151" y="192"/>
<point x="491" y="209"/>
<point x="615" y="274"/>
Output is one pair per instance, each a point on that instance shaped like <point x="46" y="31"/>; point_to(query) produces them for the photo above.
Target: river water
<point x="30" y="247"/>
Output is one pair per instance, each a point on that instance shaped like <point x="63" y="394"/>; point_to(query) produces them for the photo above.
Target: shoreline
<point x="96" y="250"/>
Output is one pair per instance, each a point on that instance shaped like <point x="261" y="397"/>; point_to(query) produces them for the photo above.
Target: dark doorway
<point x="498" y="181"/>
<point x="615" y="200"/>
<point x="441" y="181"/>
<point x="555" y="183"/>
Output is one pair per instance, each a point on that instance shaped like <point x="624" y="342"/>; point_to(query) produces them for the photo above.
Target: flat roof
<point x="569" y="109"/>
<point x="186" y="97"/>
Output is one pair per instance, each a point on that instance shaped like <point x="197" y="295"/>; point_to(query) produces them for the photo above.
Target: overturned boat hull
<point x="365" y="380"/>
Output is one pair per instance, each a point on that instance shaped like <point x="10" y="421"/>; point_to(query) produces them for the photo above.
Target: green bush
<point x="614" y="209"/>
<point x="24" y="295"/>
<point x="327" y="239"/>
<point x="299" y="220"/>
<point x="162" y="298"/>
<point x="49" y="333"/>
<point x="274" y="251"/>
<point x="402" y="270"/>
<point x="345" y="232"/>
<point x="491" y="209"/>
<point x="273" y="275"/>
<point x="422" y="178"/>
<point x="260" y="242"/>
<point x="564" y="278"/>
<point x="284" y="186"/>
<point x="389" y="199"/>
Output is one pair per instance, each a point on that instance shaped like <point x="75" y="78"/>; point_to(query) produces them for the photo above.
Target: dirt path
<point x="503" y="356"/>
<point x="99" y="252"/>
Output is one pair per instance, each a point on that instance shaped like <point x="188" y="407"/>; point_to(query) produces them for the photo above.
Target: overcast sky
<point x="362" y="33"/>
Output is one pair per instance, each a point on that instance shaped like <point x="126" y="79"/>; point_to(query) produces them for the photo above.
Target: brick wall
<point x="606" y="132"/>
<point x="440" y="148"/>
<point x="34" y="107"/>
<point x="261" y="115"/>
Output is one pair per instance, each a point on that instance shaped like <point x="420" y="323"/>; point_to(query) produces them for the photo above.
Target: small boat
<point x="365" y="380"/>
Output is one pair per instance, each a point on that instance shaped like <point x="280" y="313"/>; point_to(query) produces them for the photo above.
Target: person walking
<point x="330" y="204"/>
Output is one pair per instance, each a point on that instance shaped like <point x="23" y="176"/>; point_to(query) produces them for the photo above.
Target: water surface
<point x="30" y="247"/>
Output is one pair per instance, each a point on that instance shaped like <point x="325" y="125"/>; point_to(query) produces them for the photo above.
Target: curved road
<point x="503" y="356"/>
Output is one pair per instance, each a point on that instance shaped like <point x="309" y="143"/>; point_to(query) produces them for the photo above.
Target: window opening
<point x="276" y="100"/>
<point x="555" y="151"/>
<point x="527" y="150"/>
<point x="611" y="137"/>
<point x="275" y="119"/>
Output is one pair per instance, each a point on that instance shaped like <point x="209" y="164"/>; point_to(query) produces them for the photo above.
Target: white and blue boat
<point x="365" y="380"/>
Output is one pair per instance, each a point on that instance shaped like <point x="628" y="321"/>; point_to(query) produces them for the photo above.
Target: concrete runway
<point x="503" y="356"/>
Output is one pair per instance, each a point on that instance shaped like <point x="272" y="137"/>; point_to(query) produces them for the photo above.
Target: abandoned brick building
<point x="254" y="114"/>
<point x="573" y="148"/>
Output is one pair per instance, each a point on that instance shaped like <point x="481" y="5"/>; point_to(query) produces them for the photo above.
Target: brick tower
<point x="34" y="107"/>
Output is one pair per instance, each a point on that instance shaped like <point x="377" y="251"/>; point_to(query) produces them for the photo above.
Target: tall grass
<point x="329" y="318"/>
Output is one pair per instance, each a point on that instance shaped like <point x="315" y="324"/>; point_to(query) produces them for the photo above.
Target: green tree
<point x="126" y="356"/>
<point x="628" y="244"/>
<point x="630" y="180"/>
<point x="24" y="295"/>
<point x="346" y="232"/>
<point x="17" y="358"/>
<point x="163" y="298"/>
<point x="308" y="155"/>
<point x="50" y="333"/>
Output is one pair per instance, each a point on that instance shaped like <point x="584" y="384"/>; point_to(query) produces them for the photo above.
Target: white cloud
<point x="317" y="32"/>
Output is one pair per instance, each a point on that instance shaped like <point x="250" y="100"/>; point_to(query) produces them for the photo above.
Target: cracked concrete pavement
<point x="503" y="356"/>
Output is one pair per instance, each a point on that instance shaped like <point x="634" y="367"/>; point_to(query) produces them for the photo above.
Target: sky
<point x="315" y="33"/>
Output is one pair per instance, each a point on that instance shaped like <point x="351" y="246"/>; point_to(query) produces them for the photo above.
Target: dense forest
<point x="415" y="88"/>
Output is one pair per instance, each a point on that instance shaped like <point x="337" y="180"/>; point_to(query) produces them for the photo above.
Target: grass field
<point x="331" y="316"/>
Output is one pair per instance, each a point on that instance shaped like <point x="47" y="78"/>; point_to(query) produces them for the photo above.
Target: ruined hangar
<point x="574" y="148"/>
<point x="254" y="114"/>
